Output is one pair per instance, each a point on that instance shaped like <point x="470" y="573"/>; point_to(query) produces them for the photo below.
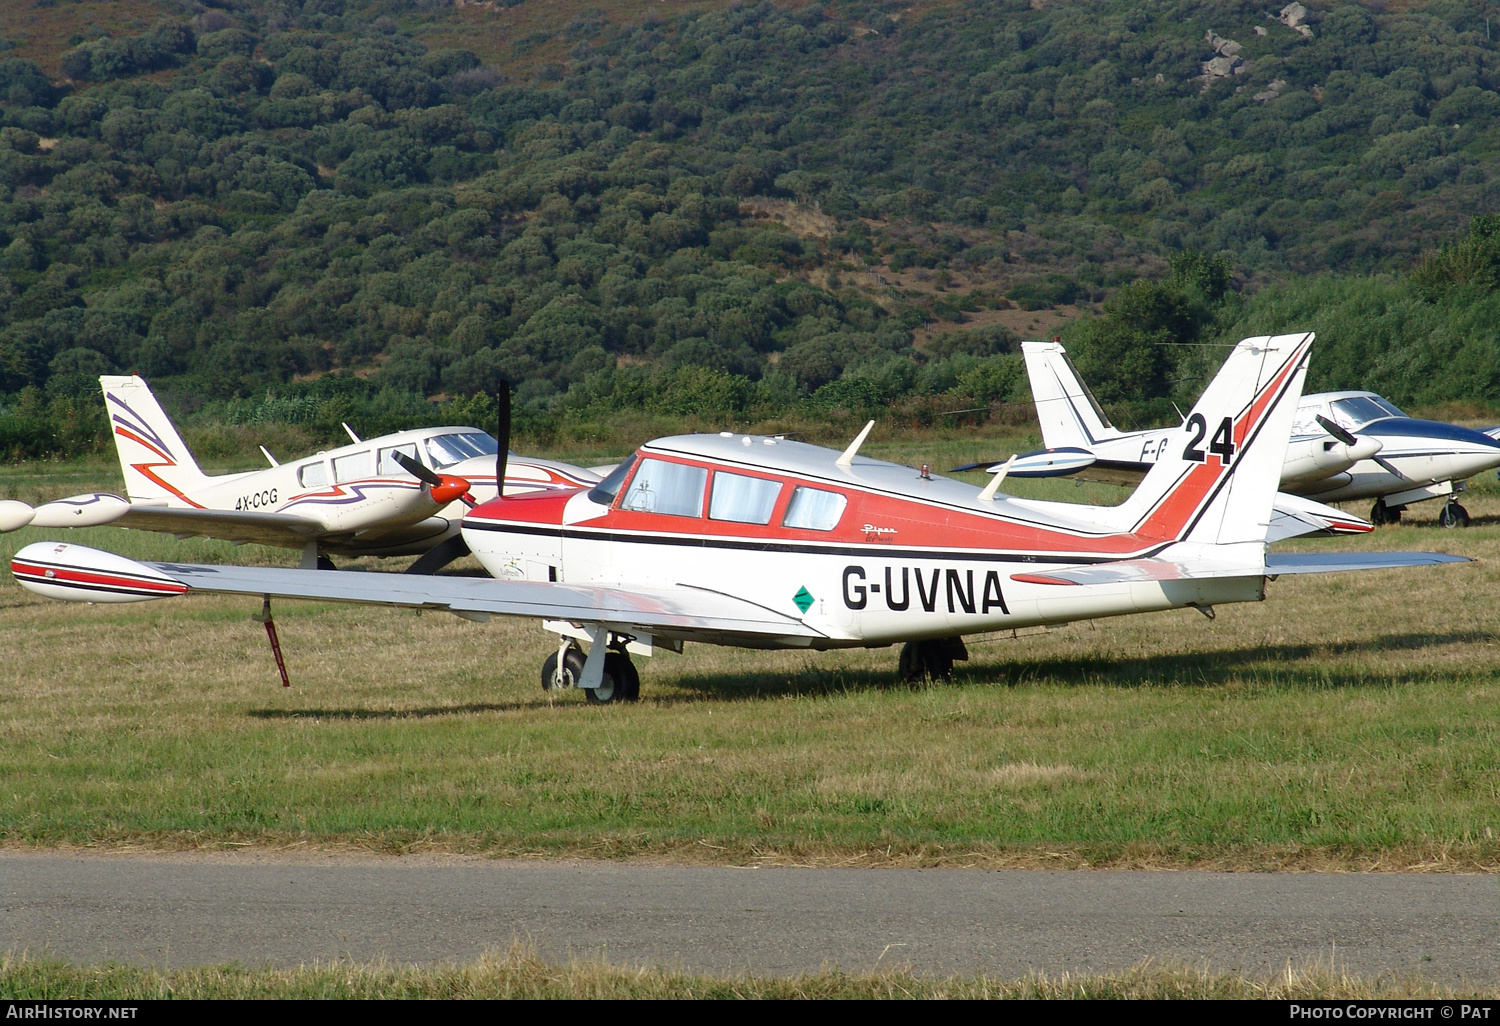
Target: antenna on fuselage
<point x="847" y="460"/>
<point x="267" y="454"/>
<point x="357" y="439"/>
<point x="502" y="435"/>
<point x="994" y="486"/>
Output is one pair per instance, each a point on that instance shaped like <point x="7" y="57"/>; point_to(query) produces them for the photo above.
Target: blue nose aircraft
<point x="1344" y="445"/>
<point x="1418" y="459"/>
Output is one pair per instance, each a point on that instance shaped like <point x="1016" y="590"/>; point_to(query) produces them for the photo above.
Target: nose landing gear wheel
<point x="1454" y="515"/>
<point x="1381" y="514"/>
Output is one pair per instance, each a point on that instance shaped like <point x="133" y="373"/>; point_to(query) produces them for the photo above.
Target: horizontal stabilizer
<point x="1278" y="563"/>
<point x="1293" y="516"/>
<point x="1128" y="571"/>
<point x="1043" y="463"/>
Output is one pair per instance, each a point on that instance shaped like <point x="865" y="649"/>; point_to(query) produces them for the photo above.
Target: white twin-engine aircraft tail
<point x="156" y="463"/>
<point x="1069" y="414"/>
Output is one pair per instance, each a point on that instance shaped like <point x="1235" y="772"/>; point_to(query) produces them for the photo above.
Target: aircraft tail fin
<point x="1069" y="414"/>
<point x="155" y="461"/>
<point x="1216" y="482"/>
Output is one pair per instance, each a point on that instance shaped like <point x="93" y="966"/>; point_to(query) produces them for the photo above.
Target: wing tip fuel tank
<point x="77" y="573"/>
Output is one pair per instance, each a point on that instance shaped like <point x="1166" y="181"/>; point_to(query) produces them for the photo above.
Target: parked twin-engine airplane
<point x="762" y="542"/>
<point x="1345" y="445"/>
<point x="396" y="495"/>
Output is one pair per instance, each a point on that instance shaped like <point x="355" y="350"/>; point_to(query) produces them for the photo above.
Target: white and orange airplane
<point x="761" y="542"/>
<point x="397" y="495"/>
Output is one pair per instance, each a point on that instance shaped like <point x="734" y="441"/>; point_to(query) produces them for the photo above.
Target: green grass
<point x="1346" y="723"/>
<point x="519" y="973"/>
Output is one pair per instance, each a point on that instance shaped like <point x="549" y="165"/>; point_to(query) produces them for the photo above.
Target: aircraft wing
<point x="79" y="573"/>
<point x="1277" y="563"/>
<point x="281" y="529"/>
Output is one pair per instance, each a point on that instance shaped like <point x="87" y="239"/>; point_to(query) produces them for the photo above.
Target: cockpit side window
<point x="675" y="489"/>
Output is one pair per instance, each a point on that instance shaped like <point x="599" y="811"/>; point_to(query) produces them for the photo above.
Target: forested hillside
<point x="733" y="209"/>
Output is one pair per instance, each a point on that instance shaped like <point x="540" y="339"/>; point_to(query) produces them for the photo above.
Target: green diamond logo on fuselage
<point x="804" y="599"/>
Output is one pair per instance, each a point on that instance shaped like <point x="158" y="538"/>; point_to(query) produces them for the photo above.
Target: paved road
<point x="266" y="910"/>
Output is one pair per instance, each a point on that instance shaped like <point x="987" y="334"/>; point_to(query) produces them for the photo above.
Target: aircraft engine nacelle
<point x="1312" y="459"/>
<point x="77" y="573"/>
<point x="89" y="510"/>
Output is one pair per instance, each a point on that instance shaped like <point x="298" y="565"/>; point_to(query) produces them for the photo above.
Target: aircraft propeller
<point x="444" y="487"/>
<point x="502" y="435"/>
<point x="445" y="552"/>
<point x="1344" y="435"/>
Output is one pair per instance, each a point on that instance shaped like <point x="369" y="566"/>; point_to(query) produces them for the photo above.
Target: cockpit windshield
<point x="1357" y="411"/>
<point x="446" y="450"/>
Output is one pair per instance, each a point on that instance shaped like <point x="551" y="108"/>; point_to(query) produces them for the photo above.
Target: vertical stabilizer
<point x="1069" y="414"/>
<point x="156" y="464"/>
<point x="1216" y="481"/>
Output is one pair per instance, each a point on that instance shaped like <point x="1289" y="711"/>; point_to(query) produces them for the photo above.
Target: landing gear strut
<point x="621" y="683"/>
<point x="1453" y="515"/>
<point x="922" y="659"/>
<point x="1381" y="514"/>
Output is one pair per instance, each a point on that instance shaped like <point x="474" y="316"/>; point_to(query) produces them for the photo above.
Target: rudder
<point x="1217" y="481"/>
<point x="153" y="458"/>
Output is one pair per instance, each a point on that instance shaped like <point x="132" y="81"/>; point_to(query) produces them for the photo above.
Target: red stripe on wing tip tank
<point x="94" y="578"/>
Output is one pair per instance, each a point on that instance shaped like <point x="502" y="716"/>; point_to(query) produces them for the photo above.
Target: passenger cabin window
<point x="1358" y="411"/>
<point x="313" y="475"/>
<point x="354" y="467"/>
<point x="741" y="499"/>
<point x="675" y="489"/>
<point x="446" y="450"/>
<point x="388" y="465"/>
<point x="813" y="509"/>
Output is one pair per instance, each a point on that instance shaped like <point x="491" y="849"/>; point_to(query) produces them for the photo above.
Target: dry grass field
<point x="1348" y="722"/>
<point x="519" y="973"/>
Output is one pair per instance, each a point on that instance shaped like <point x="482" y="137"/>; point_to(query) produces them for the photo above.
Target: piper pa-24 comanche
<point x="396" y="495"/>
<point x="761" y="542"/>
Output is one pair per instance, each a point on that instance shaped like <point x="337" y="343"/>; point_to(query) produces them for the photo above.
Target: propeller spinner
<point x="443" y="487"/>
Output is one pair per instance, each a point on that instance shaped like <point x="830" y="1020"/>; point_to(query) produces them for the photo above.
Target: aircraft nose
<point x="449" y="487"/>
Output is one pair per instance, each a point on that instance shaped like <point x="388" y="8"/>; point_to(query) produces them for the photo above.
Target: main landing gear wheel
<point x="325" y="563"/>
<point x="621" y="683"/>
<point x="922" y="659"/>
<point x="1453" y="515"/>
<point x="1381" y="514"/>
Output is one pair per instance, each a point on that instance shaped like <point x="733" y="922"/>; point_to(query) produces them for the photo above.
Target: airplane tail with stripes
<point x="1216" y="483"/>
<point x="1069" y="414"/>
<point x="156" y="463"/>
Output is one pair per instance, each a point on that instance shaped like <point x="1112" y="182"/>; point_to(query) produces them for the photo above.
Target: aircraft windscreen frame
<point x="1359" y="410"/>
<point x="447" y="450"/>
